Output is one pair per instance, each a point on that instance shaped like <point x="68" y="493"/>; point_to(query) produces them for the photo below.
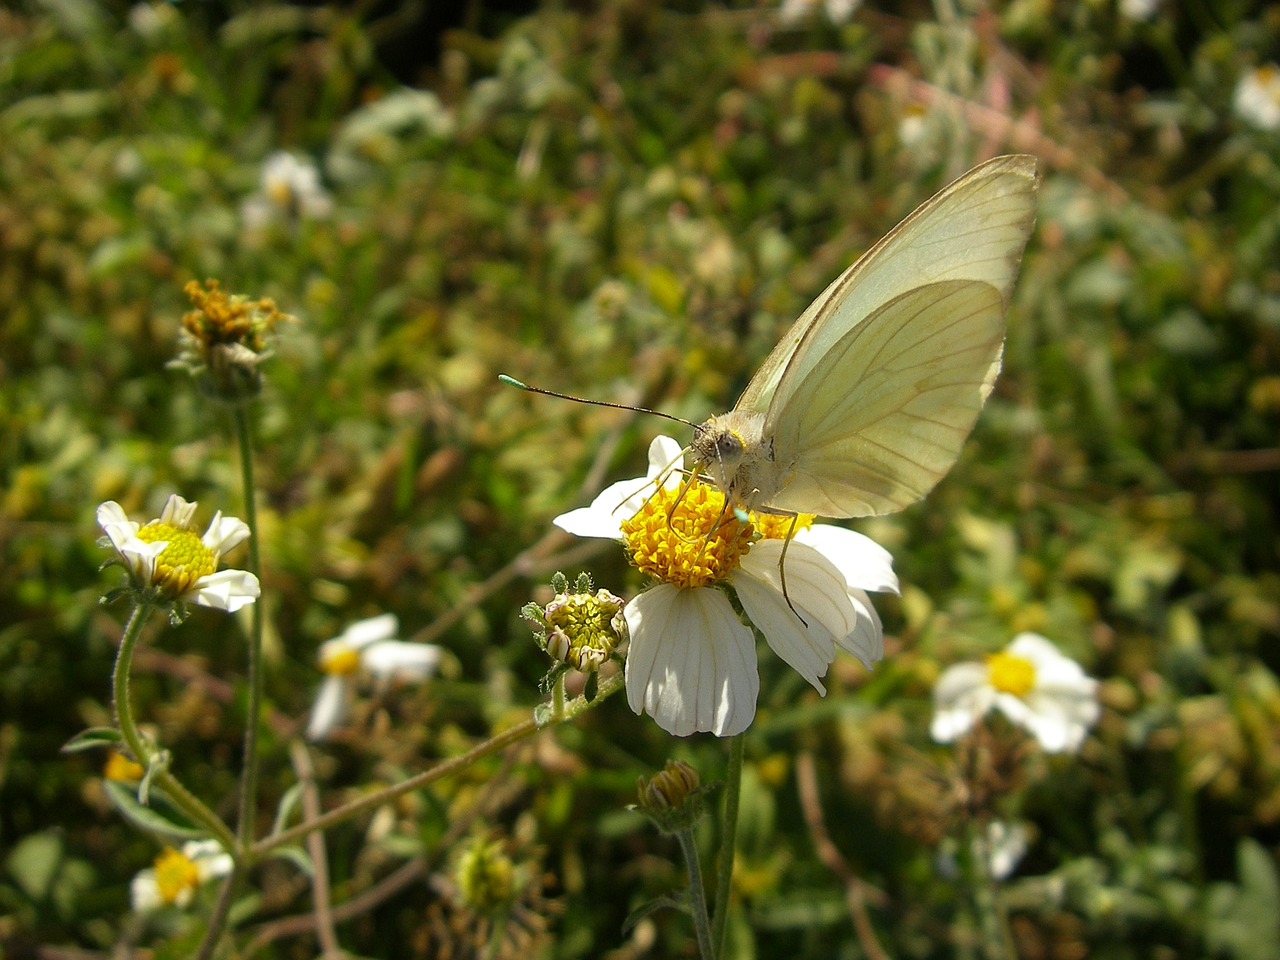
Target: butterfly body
<point x="867" y="400"/>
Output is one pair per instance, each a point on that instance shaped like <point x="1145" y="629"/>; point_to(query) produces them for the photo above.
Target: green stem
<point x="249" y="778"/>
<point x="173" y="789"/>
<point x="218" y="918"/>
<point x="572" y="709"/>
<point x="697" y="897"/>
<point x="728" y="838"/>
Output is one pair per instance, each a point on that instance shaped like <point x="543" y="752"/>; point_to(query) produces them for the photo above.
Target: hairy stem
<point x="697" y="896"/>
<point x="728" y="838"/>
<point x="253" y="720"/>
<point x="166" y="781"/>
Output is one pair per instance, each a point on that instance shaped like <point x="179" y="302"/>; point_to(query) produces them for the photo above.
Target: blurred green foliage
<point x="630" y="200"/>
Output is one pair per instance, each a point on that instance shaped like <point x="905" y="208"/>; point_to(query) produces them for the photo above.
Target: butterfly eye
<point x="729" y="446"/>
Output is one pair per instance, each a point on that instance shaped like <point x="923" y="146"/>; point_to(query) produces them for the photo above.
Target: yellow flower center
<point x="184" y="561"/>
<point x="119" y="767"/>
<point x="340" y="660"/>
<point x="770" y="526"/>
<point x="1011" y="674"/>
<point x="686" y="537"/>
<point x="176" y="876"/>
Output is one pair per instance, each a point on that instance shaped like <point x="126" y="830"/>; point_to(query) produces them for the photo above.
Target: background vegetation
<point x="630" y="200"/>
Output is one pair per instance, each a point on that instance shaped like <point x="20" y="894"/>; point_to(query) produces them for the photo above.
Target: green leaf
<point x="1244" y="920"/>
<point x="33" y="864"/>
<point x="92" y="739"/>
<point x="653" y="906"/>
<point x="160" y="818"/>
<point x="288" y="804"/>
<point x="297" y="856"/>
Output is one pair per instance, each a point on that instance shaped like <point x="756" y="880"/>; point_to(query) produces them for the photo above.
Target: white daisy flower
<point x="290" y="188"/>
<point x="169" y="560"/>
<point x="1031" y="683"/>
<point x="1257" y="97"/>
<point x="365" y="648"/>
<point x="177" y="875"/>
<point x="691" y="664"/>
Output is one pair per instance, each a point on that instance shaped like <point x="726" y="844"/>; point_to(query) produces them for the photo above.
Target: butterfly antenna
<point x="513" y="382"/>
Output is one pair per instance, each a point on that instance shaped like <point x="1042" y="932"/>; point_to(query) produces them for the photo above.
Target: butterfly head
<point x="727" y="449"/>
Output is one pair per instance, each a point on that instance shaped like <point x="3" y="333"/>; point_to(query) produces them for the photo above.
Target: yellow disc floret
<point x="1010" y="673"/>
<point x="339" y="659"/>
<point x="771" y="526"/>
<point x="176" y="877"/>
<point x="185" y="559"/>
<point x="686" y="536"/>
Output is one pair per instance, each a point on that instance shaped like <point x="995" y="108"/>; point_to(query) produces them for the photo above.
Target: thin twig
<point x="856" y="892"/>
<point x="398" y="879"/>
<point x="306" y="773"/>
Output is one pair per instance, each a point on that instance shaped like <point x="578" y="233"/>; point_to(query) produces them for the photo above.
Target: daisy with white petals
<point x="365" y="648"/>
<point x="691" y="664"/>
<point x="1257" y="97"/>
<point x="289" y="189"/>
<point x="176" y="875"/>
<point x="169" y="561"/>
<point x="1031" y="683"/>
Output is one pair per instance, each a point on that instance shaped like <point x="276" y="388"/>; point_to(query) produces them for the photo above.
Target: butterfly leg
<point x="782" y="565"/>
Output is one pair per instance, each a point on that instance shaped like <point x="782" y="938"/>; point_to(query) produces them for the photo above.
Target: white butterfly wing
<point x="973" y="229"/>
<point x="886" y="409"/>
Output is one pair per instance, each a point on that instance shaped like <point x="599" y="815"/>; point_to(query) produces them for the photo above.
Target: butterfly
<point x="866" y="402"/>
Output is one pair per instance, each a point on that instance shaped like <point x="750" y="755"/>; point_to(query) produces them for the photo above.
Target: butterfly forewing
<point x="974" y="229"/>
<point x="910" y="382"/>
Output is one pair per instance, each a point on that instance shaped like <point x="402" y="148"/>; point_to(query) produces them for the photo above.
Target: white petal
<point x="819" y="594"/>
<point x="864" y="563"/>
<point x="141" y="557"/>
<point x="393" y="659"/>
<point x="866" y="642"/>
<point x="665" y="454"/>
<point x="622" y="500"/>
<point x="144" y="893"/>
<point x="225" y="533"/>
<point x="209" y="859"/>
<point x="1005" y="845"/>
<point x="960" y="697"/>
<point x="227" y="590"/>
<point x="617" y="502"/>
<point x="115" y="524"/>
<point x="1037" y="649"/>
<point x="330" y="708"/>
<point x="372" y="630"/>
<point x="1060" y="723"/>
<point x="691" y="664"/>
<point x="178" y="512"/>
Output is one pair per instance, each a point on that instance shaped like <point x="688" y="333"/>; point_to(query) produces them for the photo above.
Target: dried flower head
<point x="225" y="338"/>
